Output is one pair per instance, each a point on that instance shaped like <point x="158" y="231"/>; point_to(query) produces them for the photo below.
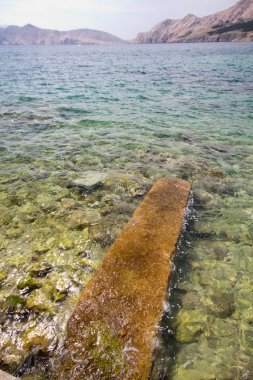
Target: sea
<point x="125" y="116"/>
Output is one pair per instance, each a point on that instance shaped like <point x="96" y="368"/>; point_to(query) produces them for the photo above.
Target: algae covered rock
<point x="11" y="355"/>
<point x="39" y="269"/>
<point x="203" y="196"/>
<point x="188" y="325"/>
<point x="43" y="243"/>
<point x="222" y="304"/>
<point x="40" y="300"/>
<point x="194" y="374"/>
<point x="190" y="299"/>
<point x="246" y="337"/>
<point x="68" y="203"/>
<point x="66" y="243"/>
<point x="80" y="219"/>
<point x="14" y="301"/>
<point x="3" y="275"/>
<point x="217" y="328"/>
<point x="220" y="251"/>
<point x="110" y="198"/>
<point x="108" y="229"/>
<point x="28" y="212"/>
<point x="28" y="283"/>
<point x="41" y="337"/>
<point x="46" y="202"/>
<point x="90" y="180"/>
<point x="13" y="232"/>
<point x="60" y="287"/>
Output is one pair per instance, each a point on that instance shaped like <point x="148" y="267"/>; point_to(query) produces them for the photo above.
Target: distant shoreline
<point x="129" y="44"/>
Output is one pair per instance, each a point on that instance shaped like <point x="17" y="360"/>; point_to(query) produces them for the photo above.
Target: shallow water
<point x="133" y="113"/>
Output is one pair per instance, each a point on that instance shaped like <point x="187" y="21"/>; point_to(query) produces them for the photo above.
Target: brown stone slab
<point x="112" y="331"/>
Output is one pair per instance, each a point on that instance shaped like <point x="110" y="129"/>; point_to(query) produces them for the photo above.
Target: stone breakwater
<point x="111" y="333"/>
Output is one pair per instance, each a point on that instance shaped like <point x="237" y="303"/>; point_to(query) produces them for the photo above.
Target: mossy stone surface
<point x="39" y="269"/>
<point x="3" y="275"/>
<point x="37" y="337"/>
<point x="40" y="300"/>
<point x="14" y="301"/>
<point x="189" y="324"/>
<point x="29" y="283"/>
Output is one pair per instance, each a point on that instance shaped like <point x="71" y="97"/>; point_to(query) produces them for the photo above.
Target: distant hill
<point x="233" y="24"/>
<point x="31" y="35"/>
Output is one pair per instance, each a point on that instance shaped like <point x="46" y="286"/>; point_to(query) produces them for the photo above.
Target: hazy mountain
<point x="233" y="24"/>
<point x="31" y="35"/>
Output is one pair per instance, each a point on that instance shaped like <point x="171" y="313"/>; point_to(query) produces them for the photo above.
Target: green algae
<point x="3" y="275"/>
<point x="29" y="283"/>
<point x="188" y="325"/>
<point x="14" y="301"/>
<point x="40" y="299"/>
<point x="108" y="354"/>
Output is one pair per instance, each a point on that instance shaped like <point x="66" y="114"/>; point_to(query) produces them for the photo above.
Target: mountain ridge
<point x="32" y="35"/>
<point x="232" y="24"/>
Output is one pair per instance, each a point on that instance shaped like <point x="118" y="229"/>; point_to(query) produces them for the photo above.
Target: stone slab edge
<point x="6" y="376"/>
<point x="111" y="334"/>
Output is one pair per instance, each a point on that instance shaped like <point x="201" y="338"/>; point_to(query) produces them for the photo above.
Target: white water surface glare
<point x="84" y="133"/>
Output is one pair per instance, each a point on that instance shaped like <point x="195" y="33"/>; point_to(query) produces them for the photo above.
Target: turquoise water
<point x="134" y="114"/>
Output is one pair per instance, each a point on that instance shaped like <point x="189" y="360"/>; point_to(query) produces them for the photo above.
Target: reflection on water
<point x="123" y="117"/>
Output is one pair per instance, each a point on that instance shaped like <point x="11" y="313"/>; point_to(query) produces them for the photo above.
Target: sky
<point x="124" y="18"/>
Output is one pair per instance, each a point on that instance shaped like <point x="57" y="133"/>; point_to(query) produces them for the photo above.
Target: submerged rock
<point x="188" y="325"/>
<point x="215" y="172"/>
<point x="14" y="301"/>
<point x="39" y="269"/>
<point x="11" y="357"/>
<point x="247" y="340"/>
<point x="13" y="232"/>
<point x="111" y="198"/>
<point x="222" y="304"/>
<point x="108" y="228"/>
<point x="40" y="337"/>
<point x="91" y="180"/>
<point x="60" y="287"/>
<point x="220" y="251"/>
<point x="43" y="246"/>
<point x="40" y="175"/>
<point x="28" y="283"/>
<point x="46" y="202"/>
<point x="3" y="275"/>
<point x="80" y="219"/>
<point x="40" y="300"/>
<point x="203" y="196"/>
<point x="195" y="374"/>
<point x="190" y="300"/>
<point x="217" y="328"/>
<point x="68" y="203"/>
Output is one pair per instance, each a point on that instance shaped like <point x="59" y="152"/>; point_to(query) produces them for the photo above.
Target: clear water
<point x="134" y="113"/>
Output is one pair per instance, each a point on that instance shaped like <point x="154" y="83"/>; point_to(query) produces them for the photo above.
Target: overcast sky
<point x="124" y="18"/>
